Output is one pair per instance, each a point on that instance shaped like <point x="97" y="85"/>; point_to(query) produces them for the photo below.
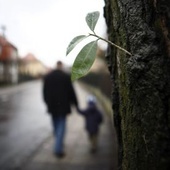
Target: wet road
<point x="24" y="123"/>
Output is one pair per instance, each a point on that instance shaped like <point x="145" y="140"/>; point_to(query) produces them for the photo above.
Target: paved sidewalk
<point x="78" y="156"/>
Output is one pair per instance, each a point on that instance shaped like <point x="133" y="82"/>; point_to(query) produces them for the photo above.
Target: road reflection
<point x="22" y="121"/>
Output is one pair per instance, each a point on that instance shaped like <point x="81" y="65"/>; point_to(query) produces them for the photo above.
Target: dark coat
<point x="93" y="118"/>
<point x="58" y="93"/>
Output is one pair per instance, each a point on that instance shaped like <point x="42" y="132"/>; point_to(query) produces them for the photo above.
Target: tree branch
<point x="120" y="48"/>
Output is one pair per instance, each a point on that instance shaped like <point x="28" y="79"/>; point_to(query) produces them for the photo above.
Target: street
<point x="24" y="123"/>
<point x="26" y="140"/>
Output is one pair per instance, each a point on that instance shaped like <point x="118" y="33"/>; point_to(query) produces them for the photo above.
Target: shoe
<point x="60" y="155"/>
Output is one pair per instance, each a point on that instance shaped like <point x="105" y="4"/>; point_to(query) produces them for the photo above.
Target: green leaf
<point x="84" y="60"/>
<point x="74" y="42"/>
<point x="92" y="19"/>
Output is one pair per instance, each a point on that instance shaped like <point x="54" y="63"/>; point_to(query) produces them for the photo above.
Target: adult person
<point x="59" y="95"/>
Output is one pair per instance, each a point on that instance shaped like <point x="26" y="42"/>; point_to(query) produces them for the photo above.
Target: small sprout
<point x="86" y="56"/>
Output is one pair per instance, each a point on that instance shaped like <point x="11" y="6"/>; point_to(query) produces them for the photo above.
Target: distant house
<point x="30" y="67"/>
<point x="8" y="61"/>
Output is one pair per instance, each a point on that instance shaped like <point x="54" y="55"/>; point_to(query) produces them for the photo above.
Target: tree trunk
<point x="141" y="82"/>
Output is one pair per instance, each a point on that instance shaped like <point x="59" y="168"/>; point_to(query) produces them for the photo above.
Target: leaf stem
<point x="120" y="48"/>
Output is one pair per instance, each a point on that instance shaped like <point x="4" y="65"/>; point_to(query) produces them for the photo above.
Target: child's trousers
<point x="93" y="142"/>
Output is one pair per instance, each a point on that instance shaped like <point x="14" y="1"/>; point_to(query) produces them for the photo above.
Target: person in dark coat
<point x="59" y="95"/>
<point x="93" y="119"/>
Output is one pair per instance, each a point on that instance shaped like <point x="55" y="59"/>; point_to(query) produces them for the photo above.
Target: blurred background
<point x="33" y="36"/>
<point x="45" y="28"/>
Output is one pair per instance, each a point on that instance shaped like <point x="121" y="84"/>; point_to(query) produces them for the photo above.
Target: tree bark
<point x="141" y="82"/>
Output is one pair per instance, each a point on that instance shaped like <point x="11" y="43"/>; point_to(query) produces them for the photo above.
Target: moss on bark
<point x="141" y="83"/>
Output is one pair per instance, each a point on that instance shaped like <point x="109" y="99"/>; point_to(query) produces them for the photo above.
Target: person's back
<point x="93" y="119"/>
<point x="58" y="94"/>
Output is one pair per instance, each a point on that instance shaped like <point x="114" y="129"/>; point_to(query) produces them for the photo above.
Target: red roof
<point x="29" y="58"/>
<point x="6" y="49"/>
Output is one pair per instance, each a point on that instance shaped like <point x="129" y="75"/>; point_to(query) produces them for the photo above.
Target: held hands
<point x="78" y="109"/>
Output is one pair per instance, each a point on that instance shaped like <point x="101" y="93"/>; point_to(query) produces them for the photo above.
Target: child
<point x="93" y="118"/>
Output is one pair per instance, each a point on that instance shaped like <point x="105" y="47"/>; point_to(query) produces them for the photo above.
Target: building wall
<point x="8" y="62"/>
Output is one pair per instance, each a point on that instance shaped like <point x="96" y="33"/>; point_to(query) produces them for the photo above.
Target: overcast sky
<point x="45" y="27"/>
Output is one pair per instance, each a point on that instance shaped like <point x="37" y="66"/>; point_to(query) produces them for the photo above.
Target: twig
<point x="120" y="48"/>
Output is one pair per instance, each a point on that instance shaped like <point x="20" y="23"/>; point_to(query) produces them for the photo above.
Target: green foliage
<point x="74" y="42"/>
<point x="84" y="60"/>
<point x="92" y="19"/>
<point x="86" y="56"/>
